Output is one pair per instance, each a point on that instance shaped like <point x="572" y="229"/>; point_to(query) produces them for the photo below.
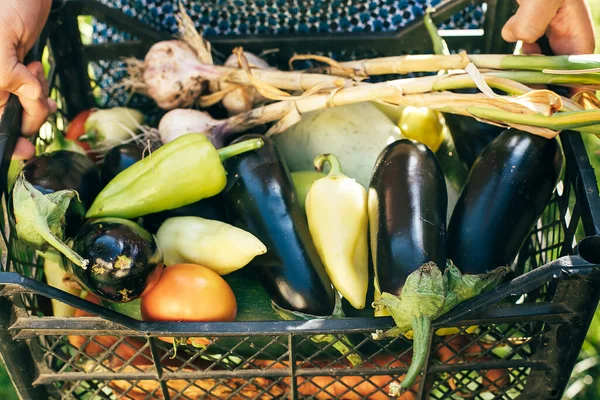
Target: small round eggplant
<point x="124" y="259"/>
<point x="506" y="192"/>
<point x="119" y="158"/>
<point x="62" y="170"/>
<point x="407" y="211"/>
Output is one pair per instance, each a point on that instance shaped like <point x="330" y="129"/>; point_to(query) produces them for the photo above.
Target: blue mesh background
<point x="270" y="17"/>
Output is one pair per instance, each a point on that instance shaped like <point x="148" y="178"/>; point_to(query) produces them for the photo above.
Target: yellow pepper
<point x="336" y="209"/>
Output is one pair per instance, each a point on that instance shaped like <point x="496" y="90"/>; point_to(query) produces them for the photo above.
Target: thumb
<point x="531" y="20"/>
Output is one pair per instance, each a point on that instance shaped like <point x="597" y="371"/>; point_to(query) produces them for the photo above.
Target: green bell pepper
<point x="179" y="173"/>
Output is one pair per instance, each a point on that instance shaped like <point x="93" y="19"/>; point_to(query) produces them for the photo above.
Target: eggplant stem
<point x="335" y="168"/>
<point x="389" y="334"/>
<point x="239" y="148"/>
<point x="421" y="326"/>
<point x="341" y="344"/>
<point x="63" y="248"/>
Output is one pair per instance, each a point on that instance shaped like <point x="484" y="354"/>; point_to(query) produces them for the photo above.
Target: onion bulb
<point x="107" y="128"/>
<point x="180" y="122"/>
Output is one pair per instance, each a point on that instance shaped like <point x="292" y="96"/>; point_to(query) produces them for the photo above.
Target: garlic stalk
<point x="392" y="92"/>
<point x="242" y="98"/>
<point x="434" y="63"/>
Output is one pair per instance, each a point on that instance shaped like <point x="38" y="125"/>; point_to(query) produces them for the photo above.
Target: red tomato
<point x="76" y="128"/>
<point x="189" y="292"/>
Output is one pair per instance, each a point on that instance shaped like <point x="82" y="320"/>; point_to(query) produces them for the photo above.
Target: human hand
<point x="21" y="22"/>
<point x="566" y="23"/>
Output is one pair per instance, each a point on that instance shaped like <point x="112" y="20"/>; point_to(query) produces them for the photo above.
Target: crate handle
<point x="561" y="268"/>
<point x="589" y="249"/>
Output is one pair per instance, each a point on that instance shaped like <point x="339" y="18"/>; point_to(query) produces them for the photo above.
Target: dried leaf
<point x="189" y="34"/>
<point x="213" y="98"/>
<point x="329" y="61"/>
<point x="587" y="99"/>
<point x="544" y="102"/>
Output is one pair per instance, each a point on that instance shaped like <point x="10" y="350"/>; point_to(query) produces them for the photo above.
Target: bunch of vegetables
<point x="170" y="216"/>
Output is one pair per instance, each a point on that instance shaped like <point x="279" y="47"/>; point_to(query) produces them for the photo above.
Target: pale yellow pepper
<point x="336" y="208"/>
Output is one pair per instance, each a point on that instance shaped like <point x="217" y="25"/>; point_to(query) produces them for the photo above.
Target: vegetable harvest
<point x="219" y="213"/>
<point x="189" y="166"/>
<point x="407" y="212"/>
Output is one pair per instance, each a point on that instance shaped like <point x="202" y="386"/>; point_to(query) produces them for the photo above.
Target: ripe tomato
<point x="76" y="128"/>
<point x="191" y="293"/>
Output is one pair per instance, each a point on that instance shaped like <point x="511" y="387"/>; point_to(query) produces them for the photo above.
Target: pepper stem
<point x="420" y="327"/>
<point x="335" y="167"/>
<point x="239" y="148"/>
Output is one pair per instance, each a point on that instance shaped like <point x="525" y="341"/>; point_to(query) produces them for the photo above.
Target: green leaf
<point x="426" y="295"/>
<point x="463" y="287"/>
<point x="424" y="292"/>
<point x="40" y="218"/>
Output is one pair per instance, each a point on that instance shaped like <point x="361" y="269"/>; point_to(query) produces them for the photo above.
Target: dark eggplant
<point x="509" y="186"/>
<point x="62" y="170"/>
<point x="407" y="213"/>
<point x="209" y="208"/>
<point x="124" y="260"/>
<point x="261" y="199"/>
<point x="407" y="205"/>
<point x="469" y="135"/>
<point x="119" y="158"/>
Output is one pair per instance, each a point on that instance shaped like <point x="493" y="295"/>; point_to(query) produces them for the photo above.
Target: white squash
<point x="355" y="133"/>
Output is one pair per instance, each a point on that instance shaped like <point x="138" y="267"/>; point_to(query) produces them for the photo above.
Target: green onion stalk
<point x="437" y="62"/>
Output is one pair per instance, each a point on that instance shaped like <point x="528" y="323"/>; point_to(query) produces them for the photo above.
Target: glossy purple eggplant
<point x="509" y="185"/>
<point x="407" y="203"/>
<point x="261" y="199"/>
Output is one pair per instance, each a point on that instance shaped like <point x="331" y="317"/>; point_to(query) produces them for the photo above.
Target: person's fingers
<point x="24" y="150"/>
<point x="16" y="77"/>
<point x="37" y="69"/>
<point x="572" y="30"/>
<point x="52" y="105"/>
<point x="531" y="20"/>
<point x="531" y="48"/>
<point x="35" y="112"/>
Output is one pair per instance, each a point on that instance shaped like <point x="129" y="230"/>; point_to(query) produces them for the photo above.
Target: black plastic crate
<point x="527" y="335"/>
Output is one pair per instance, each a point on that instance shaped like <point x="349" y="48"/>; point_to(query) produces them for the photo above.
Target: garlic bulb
<point x="174" y="76"/>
